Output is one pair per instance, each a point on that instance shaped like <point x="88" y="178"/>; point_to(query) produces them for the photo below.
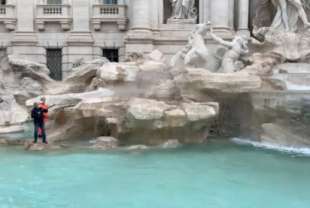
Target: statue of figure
<point x="183" y="9"/>
<point x="288" y="14"/>
<point x="237" y="48"/>
<point x="195" y="53"/>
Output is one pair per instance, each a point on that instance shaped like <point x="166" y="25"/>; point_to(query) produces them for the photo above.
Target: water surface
<point x="218" y="175"/>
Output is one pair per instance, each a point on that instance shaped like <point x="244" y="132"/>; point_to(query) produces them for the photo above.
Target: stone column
<point x="140" y="36"/>
<point x="243" y="18"/>
<point x="25" y="41"/>
<point x="80" y="15"/>
<point x="79" y="44"/>
<point x="222" y="14"/>
<point x="141" y="19"/>
<point x="204" y="11"/>
<point x="25" y="15"/>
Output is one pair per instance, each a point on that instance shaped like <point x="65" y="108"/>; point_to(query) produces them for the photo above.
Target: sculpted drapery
<point x="183" y="9"/>
<point x="288" y="13"/>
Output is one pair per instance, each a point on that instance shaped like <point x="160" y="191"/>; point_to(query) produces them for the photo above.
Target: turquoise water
<point x="219" y="175"/>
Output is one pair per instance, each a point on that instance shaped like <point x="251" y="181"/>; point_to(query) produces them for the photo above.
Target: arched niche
<point x="261" y="13"/>
<point x="167" y="10"/>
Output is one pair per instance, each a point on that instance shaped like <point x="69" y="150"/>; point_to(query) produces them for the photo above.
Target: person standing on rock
<point x="37" y="114"/>
<point x="44" y="107"/>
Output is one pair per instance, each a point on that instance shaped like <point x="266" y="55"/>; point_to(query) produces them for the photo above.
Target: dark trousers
<point x="36" y="130"/>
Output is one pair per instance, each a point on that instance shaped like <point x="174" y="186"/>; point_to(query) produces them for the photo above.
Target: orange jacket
<point x="44" y="106"/>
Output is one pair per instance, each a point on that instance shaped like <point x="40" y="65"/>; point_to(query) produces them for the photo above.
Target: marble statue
<point x="183" y="9"/>
<point x="288" y="35"/>
<point x="195" y="53"/>
<point x="287" y="15"/>
<point x="237" y="48"/>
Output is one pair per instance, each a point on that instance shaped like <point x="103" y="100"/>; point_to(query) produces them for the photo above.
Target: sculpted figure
<point x="288" y="14"/>
<point x="195" y="52"/>
<point x="237" y="48"/>
<point x="183" y="9"/>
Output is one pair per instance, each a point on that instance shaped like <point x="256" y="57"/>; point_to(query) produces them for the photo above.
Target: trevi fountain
<point x="224" y="127"/>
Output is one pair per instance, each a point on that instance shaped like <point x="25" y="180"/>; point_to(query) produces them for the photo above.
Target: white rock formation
<point x="115" y="72"/>
<point x="283" y="135"/>
<point x="11" y="112"/>
<point x="195" y="80"/>
<point x="171" y="144"/>
<point x="104" y="143"/>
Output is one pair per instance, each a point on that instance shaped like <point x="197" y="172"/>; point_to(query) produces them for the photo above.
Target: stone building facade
<point x="59" y="33"/>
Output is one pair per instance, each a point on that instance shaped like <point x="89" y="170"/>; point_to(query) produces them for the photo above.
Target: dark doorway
<point x="54" y="63"/>
<point x="110" y="54"/>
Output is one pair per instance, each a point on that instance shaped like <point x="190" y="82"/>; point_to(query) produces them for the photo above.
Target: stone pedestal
<point x="243" y="18"/>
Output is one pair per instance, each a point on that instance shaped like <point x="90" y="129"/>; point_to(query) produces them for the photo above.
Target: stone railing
<point x="8" y="16"/>
<point x="53" y="13"/>
<point x="109" y="13"/>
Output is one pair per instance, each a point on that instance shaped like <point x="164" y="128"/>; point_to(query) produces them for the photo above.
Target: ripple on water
<point x="291" y="150"/>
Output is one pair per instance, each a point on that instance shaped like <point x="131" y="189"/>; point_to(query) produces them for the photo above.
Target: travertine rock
<point x="38" y="147"/>
<point x="117" y="73"/>
<point x="142" y="112"/>
<point x="164" y="91"/>
<point x="282" y="135"/>
<point x="170" y="144"/>
<point x="175" y="118"/>
<point x="194" y="80"/>
<point x="137" y="147"/>
<point x="11" y="129"/>
<point x="151" y="114"/>
<point x="156" y="55"/>
<point x="71" y="99"/>
<point x="200" y="111"/>
<point x="11" y="112"/>
<point x="104" y="143"/>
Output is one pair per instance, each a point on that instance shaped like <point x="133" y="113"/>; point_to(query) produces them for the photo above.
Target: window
<point x="54" y="1"/>
<point x="109" y="1"/>
<point x="3" y="2"/>
<point x="110" y="54"/>
<point x="54" y="62"/>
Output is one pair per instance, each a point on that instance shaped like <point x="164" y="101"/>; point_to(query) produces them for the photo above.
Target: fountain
<point x="258" y="89"/>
